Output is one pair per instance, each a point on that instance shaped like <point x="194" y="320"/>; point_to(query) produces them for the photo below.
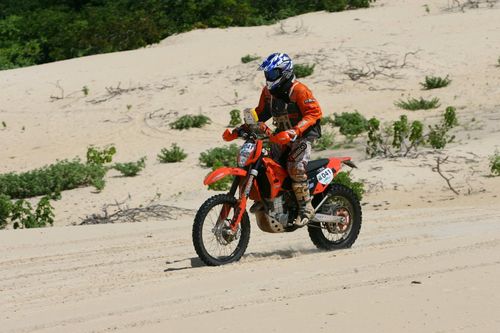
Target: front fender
<point x="220" y="173"/>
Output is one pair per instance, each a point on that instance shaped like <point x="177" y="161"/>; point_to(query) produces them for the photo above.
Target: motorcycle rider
<point x="296" y="115"/>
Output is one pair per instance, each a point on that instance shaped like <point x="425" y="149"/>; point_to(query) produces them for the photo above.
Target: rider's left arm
<point x="309" y="107"/>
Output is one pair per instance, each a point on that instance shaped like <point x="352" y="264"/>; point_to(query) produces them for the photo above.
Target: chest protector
<point x="285" y="115"/>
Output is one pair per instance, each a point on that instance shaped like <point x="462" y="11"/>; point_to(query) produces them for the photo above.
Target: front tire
<point x="210" y="232"/>
<point x="333" y="236"/>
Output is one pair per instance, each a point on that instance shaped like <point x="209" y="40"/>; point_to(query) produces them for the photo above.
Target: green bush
<point x="54" y="178"/>
<point x="435" y="82"/>
<point x="188" y="121"/>
<point x="495" y="164"/>
<point x="351" y="124"/>
<point x="130" y="169"/>
<point x="220" y="156"/>
<point x="22" y="215"/>
<point x="345" y="179"/>
<point x="235" y="118"/>
<point x="249" y="58"/>
<point x="100" y="156"/>
<point x="303" y="70"/>
<point x="172" y="155"/>
<point x="418" y="104"/>
<point x="438" y="136"/>
<point x="325" y="142"/>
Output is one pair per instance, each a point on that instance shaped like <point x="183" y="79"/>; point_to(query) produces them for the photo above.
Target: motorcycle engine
<point x="279" y="215"/>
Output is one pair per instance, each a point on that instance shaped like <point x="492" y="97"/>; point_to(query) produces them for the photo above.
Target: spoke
<point x="213" y="239"/>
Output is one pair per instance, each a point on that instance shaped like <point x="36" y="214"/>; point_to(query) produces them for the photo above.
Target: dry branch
<point x="437" y="169"/>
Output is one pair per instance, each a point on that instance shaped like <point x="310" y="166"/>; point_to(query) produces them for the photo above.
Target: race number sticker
<point x="325" y="177"/>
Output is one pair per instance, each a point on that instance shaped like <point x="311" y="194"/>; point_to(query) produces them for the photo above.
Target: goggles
<point x="273" y="74"/>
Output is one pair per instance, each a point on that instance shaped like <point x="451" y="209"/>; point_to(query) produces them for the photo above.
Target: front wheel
<point x="332" y="236"/>
<point x="214" y="241"/>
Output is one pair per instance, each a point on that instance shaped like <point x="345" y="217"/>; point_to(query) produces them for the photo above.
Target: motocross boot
<point x="306" y="210"/>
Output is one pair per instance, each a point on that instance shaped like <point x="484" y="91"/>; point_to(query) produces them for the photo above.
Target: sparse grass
<point x="189" y="121"/>
<point x="235" y="118"/>
<point x="414" y="104"/>
<point x="495" y="164"/>
<point x="130" y="169"/>
<point x="327" y="141"/>
<point x="435" y="82"/>
<point x="172" y="155"/>
<point x="249" y="58"/>
<point x="303" y="70"/>
<point x="85" y="91"/>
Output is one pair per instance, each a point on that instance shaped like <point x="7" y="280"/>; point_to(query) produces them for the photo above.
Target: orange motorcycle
<point x="221" y="229"/>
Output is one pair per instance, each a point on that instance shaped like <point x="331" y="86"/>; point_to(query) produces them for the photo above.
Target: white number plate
<point x="325" y="177"/>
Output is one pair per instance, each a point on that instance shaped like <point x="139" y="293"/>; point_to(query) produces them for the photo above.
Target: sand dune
<point x="426" y="259"/>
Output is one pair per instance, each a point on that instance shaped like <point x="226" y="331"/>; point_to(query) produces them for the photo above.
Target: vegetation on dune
<point x="188" y="121"/>
<point x="249" y="58"/>
<point x="235" y="118"/>
<point x="172" y="155"/>
<point x="345" y="179"/>
<point x="40" y="31"/>
<point x="218" y="157"/>
<point x="303" y="70"/>
<point x="130" y="169"/>
<point x="435" y="82"/>
<point x="22" y="214"/>
<point x="494" y="164"/>
<point x="414" y="104"/>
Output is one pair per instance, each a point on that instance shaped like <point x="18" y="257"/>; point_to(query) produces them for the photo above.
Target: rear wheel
<point x="331" y="236"/>
<point x="214" y="241"/>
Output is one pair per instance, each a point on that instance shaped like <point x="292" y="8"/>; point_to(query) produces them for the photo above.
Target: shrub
<point x="345" y="179"/>
<point x="60" y="176"/>
<point x="172" y="155"/>
<point x="406" y="136"/>
<point x="235" y="118"/>
<point x="351" y="124"/>
<point x="100" y="156"/>
<point x="85" y="90"/>
<point x="435" y="82"/>
<point x="327" y="120"/>
<point x="326" y="141"/>
<point x="130" y="169"/>
<point x="23" y="216"/>
<point x="5" y="210"/>
<point x="498" y="62"/>
<point x="438" y="135"/>
<point x="418" y="104"/>
<point x="188" y="121"/>
<point x="303" y="70"/>
<point x="220" y="156"/>
<point x="495" y="164"/>
<point x="4" y="124"/>
<point x="249" y="58"/>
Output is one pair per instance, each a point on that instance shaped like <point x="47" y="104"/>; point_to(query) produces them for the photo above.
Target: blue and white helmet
<point x="278" y="68"/>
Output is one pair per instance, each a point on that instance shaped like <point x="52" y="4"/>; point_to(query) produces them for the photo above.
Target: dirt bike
<point x="221" y="229"/>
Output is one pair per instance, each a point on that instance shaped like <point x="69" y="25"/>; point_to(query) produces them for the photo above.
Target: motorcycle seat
<point x="316" y="164"/>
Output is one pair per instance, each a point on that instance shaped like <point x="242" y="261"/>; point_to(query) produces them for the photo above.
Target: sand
<point x="426" y="259"/>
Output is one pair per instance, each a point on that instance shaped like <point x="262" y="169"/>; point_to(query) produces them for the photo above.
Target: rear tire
<point x="204" y="229"/>
<point x="322" y="234"/>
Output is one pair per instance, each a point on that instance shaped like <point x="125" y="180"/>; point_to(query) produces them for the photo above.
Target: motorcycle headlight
<point x="245" y="152"/>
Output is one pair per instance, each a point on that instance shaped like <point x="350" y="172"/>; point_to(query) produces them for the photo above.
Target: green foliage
<point x="40" y="31"/>
<point x="494" y="165"/>
<point x="303" y="70"/>
<point x="249" y="58"/>
<point x="327" y="120"/>
<point x="172" y="155"/>
<point x="351" y="124"/>
<point x="5" y="210"/>
<point x="235" y="118"/>
<point x="220" y="156"/>
<point x="188" y="121"/>
<point x="100" y="156"/>
<point x="498" y="62"/>
<point x="85" y="90"/>
<point x="418" y="104"/>
<point x="54" y="178"/>
<point x="325" y="142"/>
<point x="130" y="169"/>
<point x="22" y="215"/>
<point x="438" y="135"/>
<point x="374" y="143"/>
<point x="345" y="179"/>
<point x="406" y="136"/>
<point x="435" y="82"/>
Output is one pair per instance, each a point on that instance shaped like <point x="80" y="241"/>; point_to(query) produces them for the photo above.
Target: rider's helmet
<point x="278" y="69"/>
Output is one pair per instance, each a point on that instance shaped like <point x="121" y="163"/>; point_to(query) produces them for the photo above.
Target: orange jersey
<point x="301" y="113"/>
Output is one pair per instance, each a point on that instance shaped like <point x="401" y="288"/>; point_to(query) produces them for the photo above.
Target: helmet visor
<point x="273" y="74"/>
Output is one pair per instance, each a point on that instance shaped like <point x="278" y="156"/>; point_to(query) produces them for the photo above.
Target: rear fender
<point x="220" y="173"/>
<point x="325" y="177"/>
